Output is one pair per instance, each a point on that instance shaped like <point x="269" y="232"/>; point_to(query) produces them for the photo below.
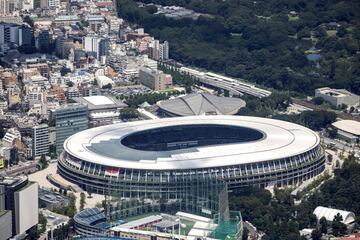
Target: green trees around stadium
<point x="323" y="225"/>
<point x="82" y="201"/>
<point x="129" y="113"/>
<point x="43" y="162"/>
<point x="278" y="102"/>
<point x="338" y="228"/>
<point x="42" y="223"/>
<point x="70" y="209"/>
<point x="133" y="101"/>
<point x="182" y="79"/>
<point x="280" y="219"/>
<point x="265" y="107"/>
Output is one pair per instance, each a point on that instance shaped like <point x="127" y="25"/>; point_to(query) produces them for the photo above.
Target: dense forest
<point x="280" y="218"/>
<point x="274" y="105"/>
<point x="263" y="41"/>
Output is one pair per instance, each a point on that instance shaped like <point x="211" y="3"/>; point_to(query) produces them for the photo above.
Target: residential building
<point x="164" y="51"/>
<point x="40" y="140"/>
<point x="53" y="3"/>
<point x="158" y="51"/>
<point x="98" y="46"/>
<point x="7" y="7"/>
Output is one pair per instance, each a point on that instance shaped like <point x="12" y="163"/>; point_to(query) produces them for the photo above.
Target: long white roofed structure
<point x="159" y="158"/>
<point x="201" y="104"/>
<point x="330" y="213"/>
<point x="349" y="126"/>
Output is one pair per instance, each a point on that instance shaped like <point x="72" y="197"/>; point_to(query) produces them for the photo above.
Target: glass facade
<point x="178" y="184"/>
<point x="70" y="119"/>
<point x="198" y="197"/>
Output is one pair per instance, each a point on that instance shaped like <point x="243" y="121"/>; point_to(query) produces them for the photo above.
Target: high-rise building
<point x="99" y="46"/>
<point x="164" y="51"/>
<point x="69" y="119"/>
<point x="40" y="135"/>
<point x="13" y="35"/>
<point x="63" y="46"/>
<point x="25" y="36"/>
<point x="91" y="43"/>
<point x="153" y="50"/>
<point x="42" y="40"/>
<point x="21" y="198"/>
<point x="158" y="51"/>
<point x="104" y="46"/>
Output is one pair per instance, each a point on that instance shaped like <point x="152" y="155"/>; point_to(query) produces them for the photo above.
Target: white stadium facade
<point x="152" y="158"/>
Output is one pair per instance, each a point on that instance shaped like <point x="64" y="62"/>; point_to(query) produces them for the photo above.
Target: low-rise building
<point x="154" y="79"/>
<point x="49" y="199"/>
<point x="200" y="104"/>
<point x="338" y="97"/>
<point x="103" y="81"/>
<point x="101" y="109"/>
<point x="349" y="130"/>
<point x="330" y="213"/>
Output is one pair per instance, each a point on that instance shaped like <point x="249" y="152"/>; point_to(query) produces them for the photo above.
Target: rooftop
<point x="103" y="145"/>
<point x="202" y="104"/>
<point x="92" y="217"/>
<point x="100" y="102"/>
<point x="142" y="221"/>
<point x="67" y="18"/>
<point x="335" y="92"/>
<point x="349" y="126"/>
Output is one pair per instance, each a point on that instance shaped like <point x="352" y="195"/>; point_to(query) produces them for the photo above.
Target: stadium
<point x="165" y="158"/>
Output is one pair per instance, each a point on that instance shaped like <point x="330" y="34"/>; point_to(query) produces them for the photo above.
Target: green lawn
<point x="293" y="18"/>
<point x="331" y="32"/>
<point x="186" y="230"/>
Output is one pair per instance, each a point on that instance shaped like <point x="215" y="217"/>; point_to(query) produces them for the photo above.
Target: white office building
<point x="338" y="97"/>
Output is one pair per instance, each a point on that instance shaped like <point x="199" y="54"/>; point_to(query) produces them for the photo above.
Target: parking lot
<point x="130" y="90"/>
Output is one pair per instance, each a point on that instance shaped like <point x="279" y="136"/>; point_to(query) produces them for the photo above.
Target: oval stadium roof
<point x="201" y="104"/>
<point x="330" y="213"/>
<point x="102" y="145"/>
